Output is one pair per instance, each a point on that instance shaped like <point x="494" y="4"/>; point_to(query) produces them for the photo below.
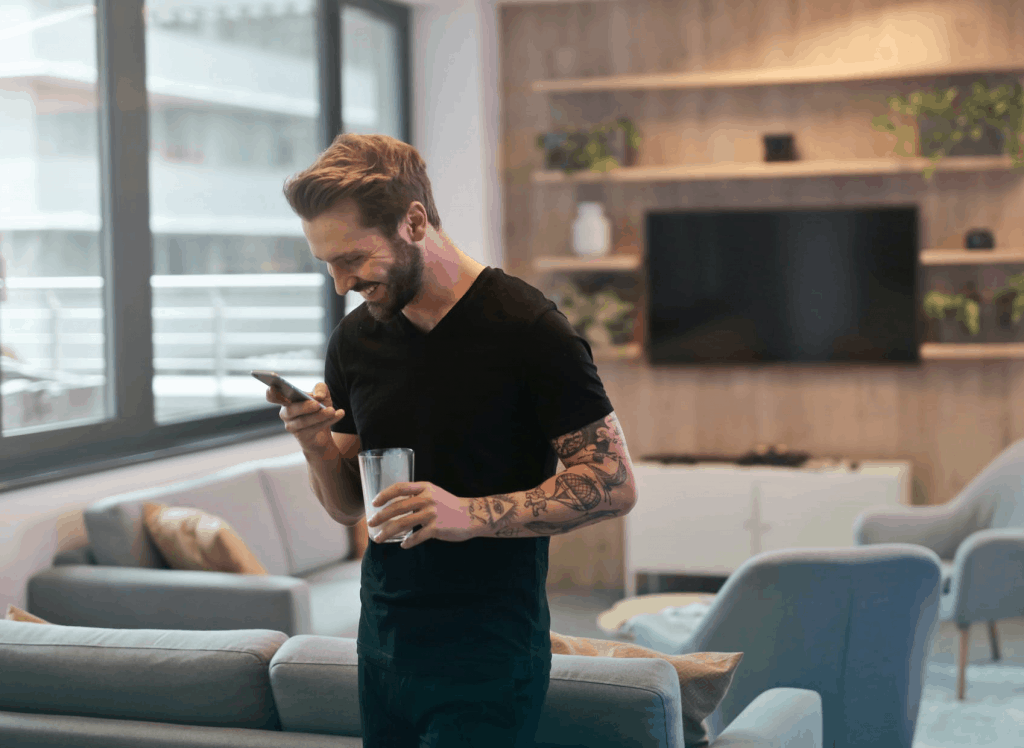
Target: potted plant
<point x="965" y="307"/>
<point x="600" y="148"/>
<point x="1009" y="301"/>
<point x="936" y="123"/>
<point x="602" y="318"/>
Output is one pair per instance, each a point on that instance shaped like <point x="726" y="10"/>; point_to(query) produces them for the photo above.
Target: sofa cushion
<point x="214" y="678"/>
<point x="591" y="701"/>
<point x="334" y="599"/>
<point x="312" y="538"/>
<point x="195" y="540"/>
<point x="117" y="537"/>
<point x="302" y="671"/>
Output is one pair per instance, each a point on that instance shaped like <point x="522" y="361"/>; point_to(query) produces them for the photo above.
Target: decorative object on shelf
<point x="591" y="231"/>
<point x="600" y="148"/>
<point x="937" y="123"/>
<point x="602" y="318"/>
<point x="979" y="239"/>
<point x="1009" y="301"/>
<point x="779" y="148"/>
<point x="965" y="307"/>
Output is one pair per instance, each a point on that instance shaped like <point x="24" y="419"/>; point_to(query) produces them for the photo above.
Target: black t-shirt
<point x="479" y="398"/>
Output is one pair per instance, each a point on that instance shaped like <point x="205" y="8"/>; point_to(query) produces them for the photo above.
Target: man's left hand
<point x="441" y="514"/>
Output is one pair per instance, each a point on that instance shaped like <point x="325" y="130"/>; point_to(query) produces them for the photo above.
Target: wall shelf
<point x="780" y="76"/>
<point x="610" y="263"/>
<point x="776" y="170"/>
<point x="971" y="257"/>
<point x="971" y="351"/>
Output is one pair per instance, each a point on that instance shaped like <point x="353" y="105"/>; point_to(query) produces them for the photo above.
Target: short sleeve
<point x="334" y="378"/>
<point x="566" y="390"/>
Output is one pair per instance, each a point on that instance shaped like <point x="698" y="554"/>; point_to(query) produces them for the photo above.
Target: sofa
<point x="120" y="580"/>
<point x="277" y="647"/>
<point x="84" y="687"/>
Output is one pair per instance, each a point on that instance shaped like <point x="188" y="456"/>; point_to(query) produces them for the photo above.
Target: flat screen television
<point x="789" y="285"/>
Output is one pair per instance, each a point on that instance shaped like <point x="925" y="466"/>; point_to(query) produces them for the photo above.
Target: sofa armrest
<point x="939" y="528"/>
<point x="778" y="718"/>
<point x="126" y="597"/>
<point x="985" y="578"/>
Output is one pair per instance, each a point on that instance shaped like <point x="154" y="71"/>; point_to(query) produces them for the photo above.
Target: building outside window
<point x="233" y="96"/>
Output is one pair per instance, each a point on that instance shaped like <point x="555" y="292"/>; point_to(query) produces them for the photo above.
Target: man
<point x="487" y="381"/>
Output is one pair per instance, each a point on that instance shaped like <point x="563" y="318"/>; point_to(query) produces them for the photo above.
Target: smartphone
<point x="293" y="393"/>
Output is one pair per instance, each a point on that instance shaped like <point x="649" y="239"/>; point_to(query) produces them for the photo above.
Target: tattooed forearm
<point x="596" y="485"/>
<point x="560" y="528"/>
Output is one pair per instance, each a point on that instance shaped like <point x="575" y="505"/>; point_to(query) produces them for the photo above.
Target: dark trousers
<point x="438" y="711"/>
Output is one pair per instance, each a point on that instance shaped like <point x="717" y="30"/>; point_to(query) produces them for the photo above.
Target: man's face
<point x="388" y="273"/>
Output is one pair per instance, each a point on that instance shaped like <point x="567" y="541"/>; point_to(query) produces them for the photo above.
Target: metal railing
<point x="205" y="327"/>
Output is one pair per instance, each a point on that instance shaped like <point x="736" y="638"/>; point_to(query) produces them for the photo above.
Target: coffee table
<point x="611" y="620"/>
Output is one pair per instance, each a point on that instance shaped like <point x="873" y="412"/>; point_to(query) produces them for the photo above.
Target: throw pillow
<point x="704" y="677"/>
<point x="193" y="540"/>
<point x="17" y="614"/>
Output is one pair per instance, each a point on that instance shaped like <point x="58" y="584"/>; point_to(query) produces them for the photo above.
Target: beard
<point x="403" y="284"/>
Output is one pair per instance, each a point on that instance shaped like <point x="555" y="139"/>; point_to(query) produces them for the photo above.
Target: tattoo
<point x="560" y="528"/>
<point x="602" y="437"/>
<point x="495" y="512"/>
<point x="597" y="465"/>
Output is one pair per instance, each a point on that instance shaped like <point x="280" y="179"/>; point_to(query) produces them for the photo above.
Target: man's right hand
<point x="306" y="421"/>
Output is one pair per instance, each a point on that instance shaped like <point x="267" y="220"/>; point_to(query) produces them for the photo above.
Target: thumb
<point x="321" y="393"/>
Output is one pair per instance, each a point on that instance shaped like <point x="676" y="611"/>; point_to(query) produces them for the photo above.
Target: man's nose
<point x="343" y="283"/>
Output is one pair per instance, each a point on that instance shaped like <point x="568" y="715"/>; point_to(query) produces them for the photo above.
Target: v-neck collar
<point x="454" y="312"/>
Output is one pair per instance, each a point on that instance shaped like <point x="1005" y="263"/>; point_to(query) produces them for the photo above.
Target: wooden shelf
<point x="628" y="352"/>
<point x="971" y="257"/>
<point x="776" y="170"/>
<point x="969" y="351"/>
<point x="609" y="263"/>
<point x="779" y="76"/>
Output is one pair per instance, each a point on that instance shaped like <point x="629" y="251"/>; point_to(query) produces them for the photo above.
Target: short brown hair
<point x="380" y="174"/>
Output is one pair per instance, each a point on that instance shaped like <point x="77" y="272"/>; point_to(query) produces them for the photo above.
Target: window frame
<point x="131" y="434"/>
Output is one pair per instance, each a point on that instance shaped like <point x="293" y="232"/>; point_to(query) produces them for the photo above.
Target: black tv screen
<point x="786" y="285"/>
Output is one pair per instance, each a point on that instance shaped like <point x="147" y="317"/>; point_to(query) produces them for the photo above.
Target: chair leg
<point x="961" y="675"/>
<point x="993" y="639"/>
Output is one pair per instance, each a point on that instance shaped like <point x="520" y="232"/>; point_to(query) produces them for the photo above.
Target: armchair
<point x="852" y="624"/>
<point x="979" y="538"/>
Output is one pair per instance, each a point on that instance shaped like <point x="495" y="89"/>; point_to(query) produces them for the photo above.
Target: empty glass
<point x="379" y="469"/>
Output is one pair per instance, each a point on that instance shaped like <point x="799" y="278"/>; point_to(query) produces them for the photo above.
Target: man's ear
<point x="416" y="220"/>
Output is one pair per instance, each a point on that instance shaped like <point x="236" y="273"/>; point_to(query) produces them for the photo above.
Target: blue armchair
<point x="979" y="537"/>
<point x="853" y="624"/>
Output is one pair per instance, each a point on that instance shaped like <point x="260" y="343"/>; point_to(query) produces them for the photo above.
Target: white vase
<point x="591" y="231"/>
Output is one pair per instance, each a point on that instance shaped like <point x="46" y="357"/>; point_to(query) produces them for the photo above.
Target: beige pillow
<point x="17" y="614"/>
<point x="193" y="540"/>
<point x="704" y="677"/>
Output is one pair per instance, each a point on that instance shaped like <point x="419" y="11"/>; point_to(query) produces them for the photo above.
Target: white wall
<point x="455" y="119"/>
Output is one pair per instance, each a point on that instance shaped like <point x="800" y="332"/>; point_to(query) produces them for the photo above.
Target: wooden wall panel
<point x="948" y="418"/>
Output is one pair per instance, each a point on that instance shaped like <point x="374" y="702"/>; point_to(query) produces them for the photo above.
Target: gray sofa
<point x="119" y="580"/>
<point x="76" y="687"/>
<point x="145" y="650"/>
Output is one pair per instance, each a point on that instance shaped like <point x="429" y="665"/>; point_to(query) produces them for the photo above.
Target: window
<point x="140" y="293"/>
<point x="52" y="312"/>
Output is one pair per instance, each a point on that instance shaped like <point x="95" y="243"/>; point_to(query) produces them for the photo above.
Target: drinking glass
<point x="379" y="469"/>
